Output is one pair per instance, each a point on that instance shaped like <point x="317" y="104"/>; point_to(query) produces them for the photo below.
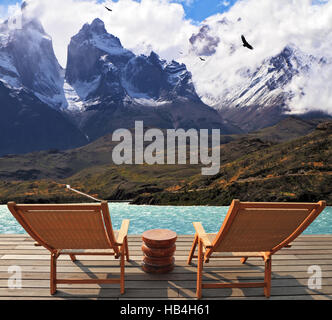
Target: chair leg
<point x="199" y="270"/>
<point x="192" y="250"/>
<point x="126" y="248"/>
<point x="267" y="278"/>
<point x="53" y="273"/>
<point x="72" y="257"/>
<point x="122" y="267"/>
<point x="244" y="260"/>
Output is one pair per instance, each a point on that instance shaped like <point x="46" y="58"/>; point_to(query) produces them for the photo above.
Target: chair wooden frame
<point x="117" y="246"/>
<point x="207" y="246"/>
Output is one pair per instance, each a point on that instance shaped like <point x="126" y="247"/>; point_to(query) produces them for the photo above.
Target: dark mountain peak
<point x="97" y="35"/>
<point x="93" y="52"/>
<point x="204" y="42"/>
<point x="287" y="51"/>
<point x="224" y="21"/>
<point x="174" y="65"/>
<point x="170" y="67"/>
<point x="291" y="60"/>
<point x="154" y="58"/>
<point x="24" y="5"/>
<point x="282" y="59"/>
<point x="159" y="79"/>
<point x="97" y="26"/>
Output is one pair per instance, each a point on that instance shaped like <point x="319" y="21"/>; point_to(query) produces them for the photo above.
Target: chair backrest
<point x="67" y="226"/>
<point x="264" y="226"/>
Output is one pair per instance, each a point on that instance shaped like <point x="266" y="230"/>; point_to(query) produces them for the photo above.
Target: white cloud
<point x="316" y="88"/>
<point x="141" y="27"/>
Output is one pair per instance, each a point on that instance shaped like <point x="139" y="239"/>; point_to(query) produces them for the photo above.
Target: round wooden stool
<point x="158" y="248"/>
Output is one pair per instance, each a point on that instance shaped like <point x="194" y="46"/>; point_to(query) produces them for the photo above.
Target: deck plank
<point x="289" y="273"/>
<point x="112" y="262"/>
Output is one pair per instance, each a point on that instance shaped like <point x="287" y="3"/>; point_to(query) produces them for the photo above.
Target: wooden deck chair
<point x="74" y="229"/>
<point x="252" y="229"/>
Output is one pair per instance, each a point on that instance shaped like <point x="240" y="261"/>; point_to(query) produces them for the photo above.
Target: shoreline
<point x="142" y="203"/>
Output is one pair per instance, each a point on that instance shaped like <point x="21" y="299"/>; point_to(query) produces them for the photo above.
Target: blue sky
<point x="197" y="10"/>
<point x="201" y="9"/>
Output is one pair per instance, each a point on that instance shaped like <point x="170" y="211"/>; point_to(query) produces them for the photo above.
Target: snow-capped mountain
<point x="27" y="60"/>
<point x="109" y="87"/>
<point x="267" y="85"/>
<point x="266" y="94"/>
<point x="104" y="87"/>
<point x="99" y="67"/>
<point x="31" y="93"/>
<point x="256" y="88"/>
<point x="95" y="61"/>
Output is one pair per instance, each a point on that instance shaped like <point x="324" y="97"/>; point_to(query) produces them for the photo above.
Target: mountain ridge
<point x="264" y="166"/>
<point x="104" y="86"/>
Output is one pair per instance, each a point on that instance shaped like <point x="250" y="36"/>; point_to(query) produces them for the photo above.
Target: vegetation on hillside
<point x="288" y="162"/>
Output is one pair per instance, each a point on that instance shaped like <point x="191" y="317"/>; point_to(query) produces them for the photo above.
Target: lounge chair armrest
<point x="202" y="235"/>
<point x="123" y="231"/>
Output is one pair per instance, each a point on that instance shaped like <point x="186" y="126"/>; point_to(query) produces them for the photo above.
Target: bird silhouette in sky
<point x="245" y="43"/>
<point x="202" y="59"/>
<point x="108" y="8"/>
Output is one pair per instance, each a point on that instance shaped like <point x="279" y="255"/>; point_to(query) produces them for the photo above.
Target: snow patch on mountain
<point x="107" y="44"/>
<point x="73" y="100"/>
<point x="8" y="72"/>
<point x="84" y="88"/>
<point x="150" y="102"/>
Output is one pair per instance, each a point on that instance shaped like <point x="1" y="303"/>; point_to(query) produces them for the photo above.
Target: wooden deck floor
<point x="289" y="278"/>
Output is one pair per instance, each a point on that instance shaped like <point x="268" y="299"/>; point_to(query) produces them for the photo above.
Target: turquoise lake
<point x="178" y="219"/>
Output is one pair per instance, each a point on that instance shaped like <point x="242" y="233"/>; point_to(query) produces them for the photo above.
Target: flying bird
<point x="245" y="43"/>
<point x="108" y="8"/>
<point x="202" y="59"/>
